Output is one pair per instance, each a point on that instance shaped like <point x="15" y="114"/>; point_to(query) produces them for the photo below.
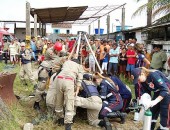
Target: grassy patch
<point x="24" y="113"/>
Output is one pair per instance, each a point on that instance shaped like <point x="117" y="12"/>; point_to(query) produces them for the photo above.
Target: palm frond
<point x="163" y="9"/>
<point x="163" y="19"/>
<point x="139" y="10"/>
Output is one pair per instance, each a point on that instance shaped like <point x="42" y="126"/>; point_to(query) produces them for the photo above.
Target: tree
<point x="155" y="8"/>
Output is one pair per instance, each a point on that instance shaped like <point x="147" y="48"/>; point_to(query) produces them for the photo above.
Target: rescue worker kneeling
<point x="124" y="91"/>
<point x="112" y="100"/>
<point x="90" y="99"/>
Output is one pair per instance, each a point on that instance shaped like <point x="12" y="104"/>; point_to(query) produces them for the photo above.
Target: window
<point x="67" y="31"/>
<point x="57" y="31"/>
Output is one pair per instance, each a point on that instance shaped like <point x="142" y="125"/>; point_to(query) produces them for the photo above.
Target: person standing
<point x="12" y="51"/>
<point x="159" y="58"/>
<point x="123" y="62"/>
<point x="91" y="58"/>
<point x="17" y="44"/>
<point x="25" y="61"/>
<point x="113" y="62"/>
<point x="105" y="60"/>
<point x="6" y="49"/>
<point x="131" y="59"/>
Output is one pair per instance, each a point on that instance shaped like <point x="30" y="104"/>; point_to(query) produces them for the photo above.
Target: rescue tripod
<point x="78" y="49"/>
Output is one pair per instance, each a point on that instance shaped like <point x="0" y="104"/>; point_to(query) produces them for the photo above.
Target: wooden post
<point x="28" y="29"/>
<point x="166" y="33"/>
<point x="40" y="29"/>
<point x="99" y="26"/>
<point x="123" y="19"/>
<point x="108" y="26"/>
<point x="35" y="26"/>
<point x="89" y="29"/>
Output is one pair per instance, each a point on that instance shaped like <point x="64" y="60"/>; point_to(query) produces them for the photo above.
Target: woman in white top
<point x="13" y="52"/>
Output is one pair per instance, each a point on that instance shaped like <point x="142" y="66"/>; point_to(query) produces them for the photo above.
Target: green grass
<point x="128" y="83"/>
<point x="23" y="111"/>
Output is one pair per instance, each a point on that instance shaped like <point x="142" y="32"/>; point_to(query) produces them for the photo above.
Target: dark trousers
<point x="110" y="107"/>
<point x="162" y="108"/>
<point x="114" y="66"/>
<point x="5" y="55"/>
<point x="126" y="102"/>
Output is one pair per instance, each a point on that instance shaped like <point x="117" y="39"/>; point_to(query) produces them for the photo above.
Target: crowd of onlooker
<point x="114" y="57"/>
<point x="121" y="57"/>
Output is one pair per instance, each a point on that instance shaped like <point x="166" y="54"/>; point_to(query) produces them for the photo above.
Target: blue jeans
<point x="114" y="66"/>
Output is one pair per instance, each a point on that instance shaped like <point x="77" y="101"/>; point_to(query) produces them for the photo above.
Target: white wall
<point x="138" y="36"/>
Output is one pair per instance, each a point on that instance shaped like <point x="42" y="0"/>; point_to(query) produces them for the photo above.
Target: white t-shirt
<point x="12" y="49"/>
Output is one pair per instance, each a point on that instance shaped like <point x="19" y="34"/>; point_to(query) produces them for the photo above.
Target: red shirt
<point x="131" y="60"/>
<point x="84" y="53"/>
<point x="71" y="45"/>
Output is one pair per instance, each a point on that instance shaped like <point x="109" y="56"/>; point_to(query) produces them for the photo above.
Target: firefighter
<point x="112" y="101"/>
<point x="160" y="85"/>
<point x="25" y="59"/>
<point x="45" y="71"/>
<point x="64" y="84"/>
<point x="89" y="98"/>
<point x="55" y="52"/>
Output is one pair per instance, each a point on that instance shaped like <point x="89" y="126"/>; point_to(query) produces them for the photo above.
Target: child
<point x="105" y="60"/>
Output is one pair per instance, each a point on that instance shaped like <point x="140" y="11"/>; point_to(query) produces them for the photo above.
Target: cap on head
<point x="87" y="76"/>
<point x="132" y="45"/>
<point x="38" y="36"/>
<point x="22" y="44"/>
<point x="58" y="46"/>
<point x="135" y="73"/>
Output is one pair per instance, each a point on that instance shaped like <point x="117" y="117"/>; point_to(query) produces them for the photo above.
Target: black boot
<point x="61" y="121"/>
<point x="153" y="124"/>
<point x="107" y="124"/>
<point x="68" y="126"/>
<point x="37" y="106"/>
<point x="118" y="114"/>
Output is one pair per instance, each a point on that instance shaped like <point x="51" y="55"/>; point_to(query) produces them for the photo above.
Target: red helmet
<point x="58" y="46"/>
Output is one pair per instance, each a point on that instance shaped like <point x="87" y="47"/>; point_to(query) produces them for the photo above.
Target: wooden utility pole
<point x="123" y="19"/>
<point x="40" y="29"/>
<point x="35" y="26"/>
<point x="89" y="29"/>
<point x="28" y="29"/>
<point x="99" y="26"/>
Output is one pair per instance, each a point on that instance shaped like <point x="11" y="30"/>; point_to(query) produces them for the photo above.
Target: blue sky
<point x="15" y="10"/>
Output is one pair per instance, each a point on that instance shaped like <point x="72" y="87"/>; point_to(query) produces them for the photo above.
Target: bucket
<point x="97" y="31"/>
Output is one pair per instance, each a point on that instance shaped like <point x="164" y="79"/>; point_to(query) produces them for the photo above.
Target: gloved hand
<point x="154" y="102"/>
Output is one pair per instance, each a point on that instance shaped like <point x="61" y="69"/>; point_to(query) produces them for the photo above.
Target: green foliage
<point x="157" y="7"/>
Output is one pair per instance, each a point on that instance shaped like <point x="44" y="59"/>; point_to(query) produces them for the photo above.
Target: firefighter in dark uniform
<point x="89" y="98"/>
<point x="160" y="103"/>
<point x="112" y="100"/>
<point x="124" y="91"/>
